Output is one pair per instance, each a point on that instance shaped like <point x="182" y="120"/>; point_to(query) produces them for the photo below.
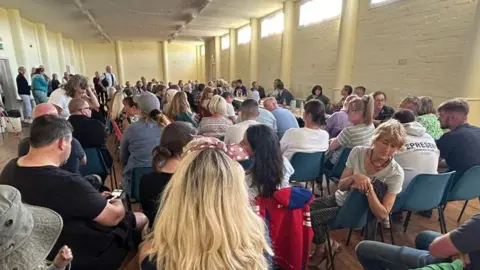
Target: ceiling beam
<point x="92" y="20"/>
<point x="190" y="18"/>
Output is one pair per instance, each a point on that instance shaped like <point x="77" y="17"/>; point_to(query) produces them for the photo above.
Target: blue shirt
<point x="285" y="120"/>
<point x="460" y="148"/>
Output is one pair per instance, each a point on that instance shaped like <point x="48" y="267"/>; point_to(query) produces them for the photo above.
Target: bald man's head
<point x="77" y="105"/>
<point x="270" y="104"/>
<point x="44" y="109"/>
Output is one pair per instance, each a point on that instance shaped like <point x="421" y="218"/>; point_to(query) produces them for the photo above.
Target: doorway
<point x="8" y="86"/>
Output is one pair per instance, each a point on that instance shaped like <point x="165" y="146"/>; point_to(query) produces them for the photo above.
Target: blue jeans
<point x="28" y="105"/>
<point x="40" y="96"/>
<point x="380" y="256"/>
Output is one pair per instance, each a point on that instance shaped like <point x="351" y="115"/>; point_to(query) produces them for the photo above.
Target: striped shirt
<point x="214" y="127"/>
<point x="349" y="137"/>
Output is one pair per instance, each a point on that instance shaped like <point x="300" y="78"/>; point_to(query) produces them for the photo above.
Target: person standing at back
<point x="285" y="119"/>
<point x="100" y="89"/>
<point x="39" y="86"/>
<point x="311" y="138"/>
<point x="108" y="79"/>
<point x="24" y="93"/>
<point x="461" y="146"/>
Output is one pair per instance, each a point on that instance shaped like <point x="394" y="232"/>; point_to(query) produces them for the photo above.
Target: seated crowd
<point x="221" y="191"/>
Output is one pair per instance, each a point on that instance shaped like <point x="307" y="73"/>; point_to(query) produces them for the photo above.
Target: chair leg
<point x="380" y="226"/>
<point x="391" y="228"/>
<point x="443" y="226"/>
<point x="349" y="236"/>
<point x="328" y="184"/>
<point x="461" y="212"/>
<point x="313" y="187"/>
<point x="330" y="251"/>
<point x="407" y="220"/>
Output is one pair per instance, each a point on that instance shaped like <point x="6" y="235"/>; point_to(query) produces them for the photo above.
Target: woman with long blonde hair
<point x="206" y="219"/>
<point x="179" y="109"/>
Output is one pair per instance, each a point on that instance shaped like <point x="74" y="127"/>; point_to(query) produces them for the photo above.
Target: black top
<point x="149" y="265"/>
<point x="73" y="162"/>
<point x="89" y="132"/>
<point x="22" y="85"/>
<point x="285" y="96"/>
<point x="460" y="148"/>
<point x="77" y="202"/>
<point x="385" y="114"/>
<point x="55" y="84"/>
<point x="191" y="101"/>
<point x="151" y="188"/>
<point x="96" y="83"/>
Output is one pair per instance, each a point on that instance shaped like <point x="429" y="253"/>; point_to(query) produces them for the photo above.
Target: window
<point x="319" y="10"/>
<point x="202" y="50"/>
<point x="376" y="2"/>
<point x="272" y="25"/>
<point x="225" y="42"/>
<point x="244" y="35"/>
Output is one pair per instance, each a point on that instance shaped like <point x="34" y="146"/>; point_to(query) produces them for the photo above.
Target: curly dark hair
<point x="267" y="170"/>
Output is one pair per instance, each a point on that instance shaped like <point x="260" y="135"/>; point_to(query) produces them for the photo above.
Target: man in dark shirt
<point x="89" y="132"/>
<point x="461" y="146"/>
<point x="100" y="232"/>
<point x="284" y="96"/>
<point x="25" y="94"/>
<point x="99" y="88"/>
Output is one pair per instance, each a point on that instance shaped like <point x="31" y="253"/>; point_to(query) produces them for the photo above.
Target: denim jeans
<point x="379" y="256"/>
<point x="28" y="105"/>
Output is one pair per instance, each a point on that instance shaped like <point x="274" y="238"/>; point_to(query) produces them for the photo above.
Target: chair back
<point x="341" y="163"/>
<point x="467" y="187"/>
<point x="353" y="213"/>
<point x="95" y="163"/>
<point x="137" y="174"/>
<point x="308" y="166"/>
<point x="116" y="129"/>
<point x="246" y="164"/>
<point x="425" y="192"/>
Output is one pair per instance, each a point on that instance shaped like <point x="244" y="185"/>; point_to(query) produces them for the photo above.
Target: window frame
<point x="382" y="3"/>
<point x="227" y="38"/>
<point x="319" y="21"/>
<point x="270" y="17"/>
<point x="248" y="26"/>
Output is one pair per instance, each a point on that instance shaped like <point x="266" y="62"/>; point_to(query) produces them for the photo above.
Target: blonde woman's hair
<point x="364" y="104"/>
<point x="178" y="105"/>
<point x="205" y="93"/>
<point x="348" y="99"/>
<point x="217" y="105"/>
<point x="206" y="219"/>
<point x="391" y="130"/>
<point x="117" y="104"/>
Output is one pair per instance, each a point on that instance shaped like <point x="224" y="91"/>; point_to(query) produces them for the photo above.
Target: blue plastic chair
<point x="336" y="172"/>
<point x="425" y="192"/>
<point x="308" y="168"/>
<point x="353" y="214"/>
<point x="137" y="174"/>
<point x="246" y="164"/>
<point x="96" y="165"/>
<point x="467" y="187"/>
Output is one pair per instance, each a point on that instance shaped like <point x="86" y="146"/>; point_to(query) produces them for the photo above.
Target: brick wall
<point x="413" y="47"/>
<point x="242" y="63"/>
<point x="182" y="59"/>
<point x="269" y="56"/>
<point x="315" y="57"/>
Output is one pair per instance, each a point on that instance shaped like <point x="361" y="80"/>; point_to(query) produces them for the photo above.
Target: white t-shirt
<point x="392" y="175"/>
<point x="60" y="99"/>
<point x="236" y="132"/>
<point x="420" y="153"/>
<point x="287" y="172"/>
<point x="230" y="110"/>
<point x="303" y="140"/>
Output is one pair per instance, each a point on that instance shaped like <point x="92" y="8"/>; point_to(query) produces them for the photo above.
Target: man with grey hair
<point x="99" y="231"/>
<point x="108" y="79"/>
<point x="460" y="146"/>
<point x="249" y="112"/>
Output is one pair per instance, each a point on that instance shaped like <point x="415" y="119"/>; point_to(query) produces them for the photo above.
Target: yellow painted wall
<point x="269" y="56"/>
<point x="33" y="50"/>
<point x="97" y="56"/>
<point x="242" y="63"/>
<point x="224" y="61"/>
<point x="54" y="63"/>
<point x="141" y="59"/>
<point x="182" y="61"/>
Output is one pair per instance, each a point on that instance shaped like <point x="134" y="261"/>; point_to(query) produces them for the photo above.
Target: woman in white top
<point x="270" y="170"/>
<point x="360" y="114"/>
<point x="365" y="165"/>
<point x="312" y="138"/>
<point x="76" y="87"/>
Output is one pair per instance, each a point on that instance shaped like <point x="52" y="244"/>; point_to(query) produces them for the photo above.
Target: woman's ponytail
<point x="160" y="154"/>
<point x="159" y="117"/>
<point x="368" y="109"/>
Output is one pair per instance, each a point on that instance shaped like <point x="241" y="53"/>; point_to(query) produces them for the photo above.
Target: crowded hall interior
<point x="239" y="135"/>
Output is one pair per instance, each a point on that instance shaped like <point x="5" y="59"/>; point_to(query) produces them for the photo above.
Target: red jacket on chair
<point x="287" y="215"/>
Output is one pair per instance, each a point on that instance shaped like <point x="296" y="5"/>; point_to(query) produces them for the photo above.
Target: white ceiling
<point x="109" y="20"/>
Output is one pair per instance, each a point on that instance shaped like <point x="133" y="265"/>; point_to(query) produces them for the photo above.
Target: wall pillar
<point x="287" y="43"/>
<point x="233" y="45"/>
<point x="73" y="59"/>
<point x="82" y="61"/>
<point x="199" y="64"/>
<point x="218" y="57"/>
<point x="471" y="81"/>
<point x="119" y="56"/>
<point x="44" y="47"/>
<point x="255" y="34"/>
<point x="18" y="38"/>
<point x="347" y="38"/>
<point x="61" y="54"/>
<point x="165" y="61"/>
